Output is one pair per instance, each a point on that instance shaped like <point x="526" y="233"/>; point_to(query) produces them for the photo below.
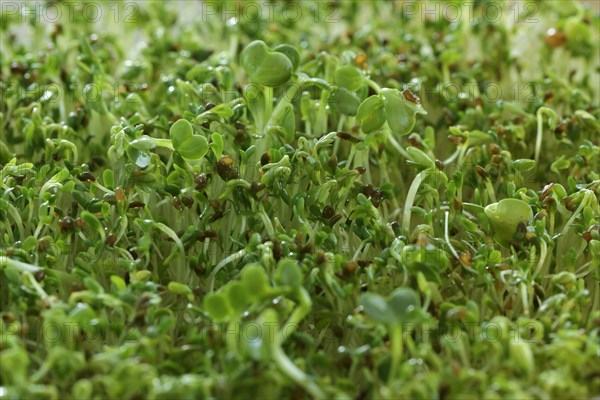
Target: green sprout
<point x="299" y="200"/>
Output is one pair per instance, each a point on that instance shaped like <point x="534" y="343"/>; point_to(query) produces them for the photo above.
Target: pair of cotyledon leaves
<point x="231" y="300"/>
<point x="189" y="146"/>
<point x="274" y="67"/>
<point x="402" y="306"/>
<point x="269" y="67"/>
<point x="398" y="109"/>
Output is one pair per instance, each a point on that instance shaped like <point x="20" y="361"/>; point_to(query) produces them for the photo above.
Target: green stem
<point x="294" y="373"/>
<point x="164" y="143"/>
<point x="490" y="191"/>
<point x="263" y="144"/>
<point x="268" y="98"/>
<point x="538" y="139"/>
<point x="232" y="258"/>
<point x="233" y="46"/>
<point x="287" y="98"/>
<point x="374" y="86"/>
<point x="282" y="360"/>
<point x="396" y="340"/>
<point x="524" y="298"/>
<point x="397" y="145"/>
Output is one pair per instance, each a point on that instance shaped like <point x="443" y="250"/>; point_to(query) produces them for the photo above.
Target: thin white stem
<point x="447" y="237"/>
<point x="543" y="253"/>
<point x="583" y="203"/>
<point x="538" y="139"/>
<point x="581" y="272"/>
<point x="524" y="298"/>
<point x="232" y="258"/>
<point x="410" y="199"/>
<point x="397" y="145"/>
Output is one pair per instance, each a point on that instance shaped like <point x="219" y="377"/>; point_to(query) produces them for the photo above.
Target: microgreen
<point x="299" y="200"/>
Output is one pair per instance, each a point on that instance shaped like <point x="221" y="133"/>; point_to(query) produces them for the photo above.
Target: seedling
<point x="269" y="203"/>
<point x="401" y="309"/>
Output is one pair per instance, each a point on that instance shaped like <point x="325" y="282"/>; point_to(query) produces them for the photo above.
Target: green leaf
<point x="406" y="305"/>
<point x="143" y="143"/>
<point x="587" y="119"/>
<point x="523" y="165"/>
<point x="180" y="132"/>
<point x="289" y="273"/>
<point x="238" y="297"/>
<point x="217" y="144"/>
<point x="477" y="138"/>
<point x="5" y="154"/>
<point x="264" y="66"/>
<point x="349" y="77"/>
<point x="19" y="266"/>
<point x="505" y="216"/>
<point x="429" y="260"/>
<point x="93" y="285"/>
<point x="288" y="121"/>
<point x="377" y="308"/>
<point x="108" y="178"/>
<point x="371" y="114"/>
<point x="118" y="282"/>
<point x="217" y="306"/>
<point x="179" y="288"/>
<point x="185" y="143"/>
<point x="222" y="110"/>
<point x="343" y="101"/>
<point x="559" y="164"/>
<point x="83" y="314"/>
<point x="194" y="148"/>
<point x="255" y="279"/>
<point x="400" y="112"/>
<point x="92" y="222"/>
<point x="419" y="157"/>
<point x="290" y="52"/>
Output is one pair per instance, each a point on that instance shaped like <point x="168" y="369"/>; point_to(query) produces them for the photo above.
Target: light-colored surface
<point x="595" y="4"/>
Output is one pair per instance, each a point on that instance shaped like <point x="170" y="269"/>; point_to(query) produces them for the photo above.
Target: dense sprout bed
<point x="280" y="200"/>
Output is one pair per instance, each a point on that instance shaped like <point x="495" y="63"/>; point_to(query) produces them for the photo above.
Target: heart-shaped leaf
<point x="185" y="143"/>
<point x="265" y="66"/>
